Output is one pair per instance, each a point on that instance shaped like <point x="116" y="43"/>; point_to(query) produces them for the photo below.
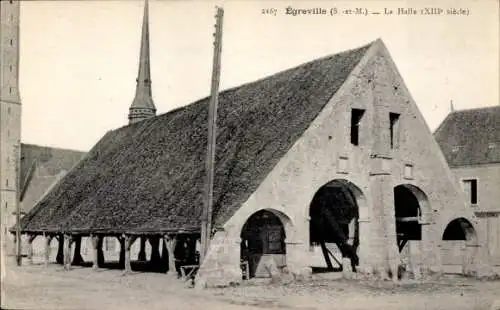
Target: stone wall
<point x="372" y="169"/>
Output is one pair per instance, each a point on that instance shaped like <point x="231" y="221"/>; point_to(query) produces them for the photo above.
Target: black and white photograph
<point x="168" y="154"/>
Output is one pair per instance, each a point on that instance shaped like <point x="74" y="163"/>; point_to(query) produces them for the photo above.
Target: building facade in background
<point x="470" y="140"/>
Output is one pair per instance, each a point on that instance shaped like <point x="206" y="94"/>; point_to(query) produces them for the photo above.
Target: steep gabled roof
<point x="52" y="159"/>
<point x="470" y="137"/>
<point x="149" y="176"/>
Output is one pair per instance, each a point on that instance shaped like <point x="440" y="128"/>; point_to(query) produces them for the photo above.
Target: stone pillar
<point x="170" y="242"/>
<point x="384" y="240"/>
<point x="60" y="249"/>
<point x="48" y="239"/>
<point x="31" y="238"/>
<point x="68" y="240"/>
<point x="142" y="252"/>
<point x="364" y="250"/>
<point x="297" y="259"/>
<point x="77" y="256"/>
<point x="221" y="265"/>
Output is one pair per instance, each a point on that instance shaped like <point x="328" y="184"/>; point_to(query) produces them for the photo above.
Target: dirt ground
<point x="37" y="287"/>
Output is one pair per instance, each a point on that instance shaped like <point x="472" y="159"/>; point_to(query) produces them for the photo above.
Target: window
<point x="408" y="172"/>
<point x="394" y="120"/>
<point x="10" y="68"/>
<point x="11" y="42"/>
<point x="7" y="182"/>
<point x="470" y="188"/>
<point x="356" y="115"/>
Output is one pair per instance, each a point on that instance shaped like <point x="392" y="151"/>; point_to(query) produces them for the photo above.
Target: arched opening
<point x="334" y="225"/>
<point x="458" y="250"/>
<point x="408" y="201"/>
<point x="263" y="243"/>
<point x="459" y="229"/>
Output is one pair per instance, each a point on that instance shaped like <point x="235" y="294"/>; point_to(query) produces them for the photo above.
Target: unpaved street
<point x="37" y="287"/>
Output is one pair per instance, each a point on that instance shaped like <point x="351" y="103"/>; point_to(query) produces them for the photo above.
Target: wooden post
<point x="77" y="256"/>
<point x="100" y="253"/>
<point x="60" y="249"/>
<point x="164" y="255"/>
<point x="68" y="240"/>
<point x="31" y="238"/>
<point x="128" y="241"/>
<point x="48" y="239"/>
<point x="170" y="242"/>
<point x="122" y="258"/>
<point x="206" y="219"/>
<point x="155" y="251"/>
<point x="95" y="255"/>
<point x="142" y="251"/>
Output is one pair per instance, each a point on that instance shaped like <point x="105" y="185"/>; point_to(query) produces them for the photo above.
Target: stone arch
<point x="412" y="209"/>
<point x="263" y="243"/>
<point x="335" y="212"/>
<point x="459" y="246"/>
<point x="460" y="229"/>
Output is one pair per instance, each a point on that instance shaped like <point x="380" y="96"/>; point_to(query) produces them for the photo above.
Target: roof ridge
<point x="476" y="109"/>
<point x="261" y="79"/>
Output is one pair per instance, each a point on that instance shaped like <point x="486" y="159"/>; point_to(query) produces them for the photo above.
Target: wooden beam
<point x="171" y="242"/>
<point x="206" y="220"/>
<point x="95" y="254"/>
<point x="129" y="240"/>
<point x="325" y="254"/>
<point x="31" y="238"/>
<point x="407" y="219"/>
<point x="142" y="251"/>
<point x="77" y="256"/>
<point x="48" y="239"/>
<point x="68" y="239"/>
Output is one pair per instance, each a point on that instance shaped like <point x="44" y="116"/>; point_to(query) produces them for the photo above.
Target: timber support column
<point x="100" y="253"/>
<point x="155" y="251"/>
<point x="30" y="248"/>
<point x="121" y="261"/>
<point x="127" y="243"/>
<point x="142" y="251"/>
<point x="77" y="256"/>
<point x="95" y="251"/>
<point x="164" y="255"/>
<point x="48" y="239"/>
<point x="68" y="240"/>
<point x="171" y="242"/>
<point x="60" y="249"/>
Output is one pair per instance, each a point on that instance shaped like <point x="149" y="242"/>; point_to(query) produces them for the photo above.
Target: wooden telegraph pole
<point x="206" y="219"/>
<point x="17" y="159"/>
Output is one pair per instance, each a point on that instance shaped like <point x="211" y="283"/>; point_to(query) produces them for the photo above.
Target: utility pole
<point x="206" y="220"/>
<point x="17" y="159"/>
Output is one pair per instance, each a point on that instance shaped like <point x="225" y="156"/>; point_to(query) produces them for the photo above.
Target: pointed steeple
<point x="452" y="107"/>
<point x="143" y="106"/>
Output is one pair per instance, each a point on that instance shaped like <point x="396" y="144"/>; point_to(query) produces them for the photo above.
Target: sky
<point x="79" y="59"/>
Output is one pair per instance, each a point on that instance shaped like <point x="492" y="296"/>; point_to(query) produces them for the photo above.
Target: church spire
<point x="143" y="106"/>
